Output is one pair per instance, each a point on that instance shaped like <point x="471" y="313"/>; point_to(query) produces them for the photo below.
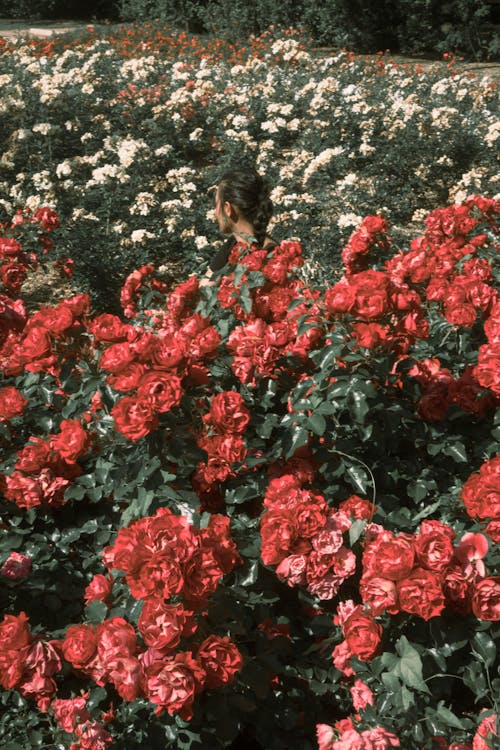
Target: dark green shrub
<point x="30" y="9"/>
<point x="61" y="9"/>
<point x="182" y="13"/>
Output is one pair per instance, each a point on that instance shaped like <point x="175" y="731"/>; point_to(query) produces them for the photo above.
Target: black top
<point x="221" y="257"/>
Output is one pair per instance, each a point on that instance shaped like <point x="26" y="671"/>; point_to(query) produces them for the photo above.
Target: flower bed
<point x="123" y="133"/>
<point x="260" y="514"/>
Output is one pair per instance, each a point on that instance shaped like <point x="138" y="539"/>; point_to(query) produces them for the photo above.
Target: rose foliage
<point x="260" y="513"/>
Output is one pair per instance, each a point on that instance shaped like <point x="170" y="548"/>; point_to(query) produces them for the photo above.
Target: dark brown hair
<point x="249" y="192"/>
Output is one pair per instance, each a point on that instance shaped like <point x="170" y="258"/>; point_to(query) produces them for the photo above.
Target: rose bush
<point x="259" y="514"/>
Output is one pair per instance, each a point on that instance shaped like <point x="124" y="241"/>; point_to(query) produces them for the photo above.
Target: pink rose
<point x="361" y="695"/>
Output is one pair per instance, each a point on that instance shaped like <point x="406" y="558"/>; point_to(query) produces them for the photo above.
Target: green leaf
<point x="483" y="644"/>
<point x="248" y="576"/>
<point x="417" y="490"/>
<point x="359" y="478"/>
<point x="457" y="452"/>
<point x="407" y="698"/>
<point x="448" y="717"/>
<point x="409" y="667"/>
<point x="317" y="424"/>
<point x="294" y="439"/>
<point x="359" y="405"/>
<point x="356" y="530"/>
<point x="96" y="612"/>
<point x="326" y="357"/>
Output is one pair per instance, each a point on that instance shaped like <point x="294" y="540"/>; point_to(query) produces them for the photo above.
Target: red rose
<point x="487" y="731"/>
<point x="161" y="390"/>
<point x="486" y="599"/>
<point x="228" y="413"/>
<point x="341" y="298"/>
<point x="134" y="418"/>
<point x="279" y="532"/>
<point x="493" y="530"/>
<point x="79" y="645"/>
<point x="370" y="335"/>
<point x="169" y="353"/>
<point x="358" y="507"/>
<point x="461" y="314"/>
<point x="126" y="674"/>
<point x="70" y="711"/>
<point x="481" y="492"/>
<point x="220" y="659"/>
<point x="363" y="635"/>
<point x="109" y="328"/>
<point x="433" y="546"/>
<point x="204" y="344"/>
<point x="115" y="638"/>
<point x="433" y="405"/>
<point x="380" y="594"/>
<point x="487" y="370"/>
<point x="172" y="534"/>
<point x="276" y="270"/>
<point x="229" y="447"/>
<point x="389" y="556"/>
<point x="217" y="536"/>
<point x="371" y="294"/>
<point x="132" y="548"/>
<point x="163" y="625"/>
<point x="99" y="589"/>
<point x="9" y="247"/>
<point x="11" y="667"/>
<point x="14" y="632"/>
<point x="25" y="491"/>
<point x="173" y="683"/>
<point x="12" y="402"/>
<point x="37" y="344"/>
<point x="127" y="379"/>
<point x="378" y="739"/>
<point x="16" y="566"/>
<point x="117" y="357"/>
<point x="13" y="275"/>
<point x="421" y="594"/>
<point x="361" y="695"/>
<point x="182" y="296"/>
<point x="161" y="576"/>
<point x="34" y="456"/>
<point x="92" y="736"/>
<point x="72" y="440"/>
<point x="457" y="589"/>
<point x="202" y="576"/>
<point x="310" y="516"/>
<point x="57" y="320"/>
<point x="47" y="217"/>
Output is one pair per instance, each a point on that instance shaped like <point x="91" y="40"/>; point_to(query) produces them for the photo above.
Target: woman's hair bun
<point x="245" y="188"/>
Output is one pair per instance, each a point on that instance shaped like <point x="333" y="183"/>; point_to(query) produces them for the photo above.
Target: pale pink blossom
<point x="470" y="551"/>
<point x="325" y="734"/>
<point x="361" y="695"/>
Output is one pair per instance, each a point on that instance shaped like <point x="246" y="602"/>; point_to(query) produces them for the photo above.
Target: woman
<point x="243" y="209"/>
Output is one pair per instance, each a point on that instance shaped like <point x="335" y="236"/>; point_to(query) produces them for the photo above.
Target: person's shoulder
<point x="270" y="243"/>
<point x="221" y="257"/>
